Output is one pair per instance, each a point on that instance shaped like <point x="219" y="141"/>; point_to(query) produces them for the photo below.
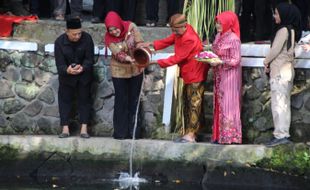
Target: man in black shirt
<point x="74" y="53"/>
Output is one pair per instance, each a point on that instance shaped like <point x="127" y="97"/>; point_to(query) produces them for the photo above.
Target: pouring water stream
<point x="129" y="180"/>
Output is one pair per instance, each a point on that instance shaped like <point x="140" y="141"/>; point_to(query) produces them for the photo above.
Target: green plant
<point x="201" y="14"/>
<point x="295" y="160"/>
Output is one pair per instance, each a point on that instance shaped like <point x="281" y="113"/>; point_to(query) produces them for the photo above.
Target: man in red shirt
<point x="187" y="44"/>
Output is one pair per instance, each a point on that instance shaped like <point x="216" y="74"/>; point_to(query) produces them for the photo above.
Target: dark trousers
<point x="66" y="97"/>
<point x="172" y="8"/>
<point x="34" y="7"/>
<point x="76" y="7"/>
<point x="39" y="8"/>
<point x="304" y="7"/>
<point x="126" y="9"/>
<point x="99" y="9"/>
<point x="60" y="7"/>
<point x="129" y="10"/>
<point x="151" y="7"/>
<point x="116" y="5"/>
<point x="127" y="92"/>
<point x="256" y="15"/>
<point x="102" y="7"/>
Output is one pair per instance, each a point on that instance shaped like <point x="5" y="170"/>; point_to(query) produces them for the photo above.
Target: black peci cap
<point x="74" y="23"/>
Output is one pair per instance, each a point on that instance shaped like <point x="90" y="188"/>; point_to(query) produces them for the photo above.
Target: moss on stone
<point x="294" y="159"/>
<point x="8" y="153"/>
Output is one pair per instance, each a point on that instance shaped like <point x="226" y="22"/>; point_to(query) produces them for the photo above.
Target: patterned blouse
<point x="119" y="67"/>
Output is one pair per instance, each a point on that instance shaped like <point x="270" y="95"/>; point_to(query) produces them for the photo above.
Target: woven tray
<point x="208" y="60"/>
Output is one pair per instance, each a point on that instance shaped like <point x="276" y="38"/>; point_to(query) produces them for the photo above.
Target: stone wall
<point x="29" y="103"/>
<point x="256" y="109"/>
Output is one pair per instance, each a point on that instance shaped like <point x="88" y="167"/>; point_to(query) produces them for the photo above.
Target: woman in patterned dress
<point x="227" y="80"/>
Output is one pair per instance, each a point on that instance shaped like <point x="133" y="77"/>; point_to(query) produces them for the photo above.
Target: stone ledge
<point x="97" y="148"/>
<point x="46" y="31"/>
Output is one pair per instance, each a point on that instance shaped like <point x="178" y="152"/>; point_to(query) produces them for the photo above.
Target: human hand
<point x="144" y="44"/>
<point x="306" y="47"/>
<point x="79" y="69"/>
<point x="74" y="69"/>
<point x="130" y="59"/>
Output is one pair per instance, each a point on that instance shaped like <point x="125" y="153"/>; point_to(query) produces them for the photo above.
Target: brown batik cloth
<point x="193" y="106"/>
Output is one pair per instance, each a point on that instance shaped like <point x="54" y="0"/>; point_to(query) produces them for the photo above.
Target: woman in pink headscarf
<point x="122" y="38"/>
<point x="227" y="80"/>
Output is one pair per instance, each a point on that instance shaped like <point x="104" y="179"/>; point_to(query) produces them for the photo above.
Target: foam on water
<point x="125" y="180"/>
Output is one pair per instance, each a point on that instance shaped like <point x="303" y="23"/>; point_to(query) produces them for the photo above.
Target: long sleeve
<point x="122" y="49"/>
<point x="163" y="43"/>
<point x="234" y="56"/>
<point x="186" y="46"/>
<point x="89" y="55"/>
<point x="277" y="45"/>
<point x="60" y="59"/>
<point x="182" y="55"/>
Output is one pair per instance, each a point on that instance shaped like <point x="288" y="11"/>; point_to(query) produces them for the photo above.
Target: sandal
<point x="84" y="135"/>
<point x="183" y="140"/>
<point x="60" y="17"/>
<point x="64" y="135"/>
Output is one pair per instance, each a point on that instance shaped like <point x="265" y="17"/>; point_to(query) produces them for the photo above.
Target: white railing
<point x="18" y="45"/>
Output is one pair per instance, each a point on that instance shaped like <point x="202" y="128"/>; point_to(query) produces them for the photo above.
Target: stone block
<point x="33" y="108"/>
<point x="3" y="122"/>
<point x="265" y="97"/>
<point x="44" y="125"/>
<point x="52" y="111"/>
<point x="12" y="106"/>
<point x="42" y="77"/>
<point x="297" y="100"/>
<point x="6" y="91"/>
<point x="30" y="60"/>
<point x="26" y="74"/>
<point x="21" y="123"/>
<point x="47" y="96"/>
<point x="253" y="93"/>
<point x="300" y="132"/>
<point x="261" y="84"/>
<point x="27" y="91"/>
<point x="260" y="124"/>
<point x="48" y="65"/>
<point x="11" y="73"/>
<point x="307" y="104"/>
<point x="105" y="89"/>
<point x="98" y="104"/>
<point x="4" y="61"/>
